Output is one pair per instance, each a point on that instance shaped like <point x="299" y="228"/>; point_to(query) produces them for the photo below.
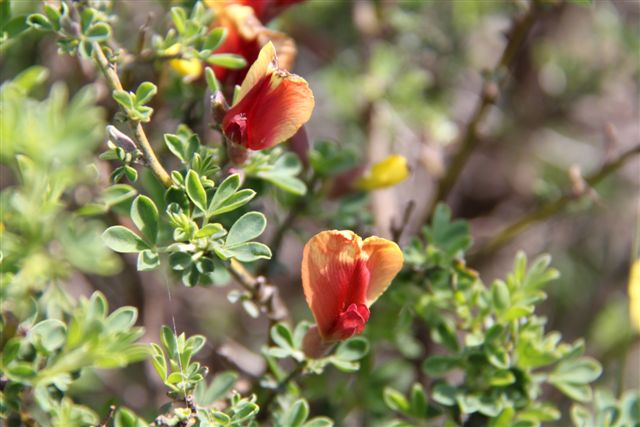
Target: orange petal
<point x="329" y="262"/>
<point x="384" y="262"/>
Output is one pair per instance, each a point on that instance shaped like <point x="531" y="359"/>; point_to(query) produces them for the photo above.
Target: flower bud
<point x="121" y="139"/>
<point x="219" y="107"/>
<point x="313" y="345"/>
<point x="237" y="153"/>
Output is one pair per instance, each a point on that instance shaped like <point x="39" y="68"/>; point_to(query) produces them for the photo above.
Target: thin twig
<point x="282" y="385"/>
<point x="469" y="139"/>
<point x="551" y="208"/>
<point x="113" y="80"/>
<point x="298" y="207"/>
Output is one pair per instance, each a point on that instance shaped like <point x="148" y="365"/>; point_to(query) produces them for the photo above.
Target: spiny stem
<point x="113" y="80"/>
<point x="551" y="208"/>
<point x="490" y="91"/>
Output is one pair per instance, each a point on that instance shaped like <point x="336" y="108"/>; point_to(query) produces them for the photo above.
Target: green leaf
<point x="281" y="336"/>
<point x="225" y="190"/>
<point x="212" y="81"/>
<point x="21" y="371"/>
<point x="11" y="350"/>
<point x="49" y="335"/>
<point x="148" y="260"/>
<point x="580" y="416"/>
<point x="158" y="360"/>
<point x="145" y="216"/>
<point x="180" y="261"/>
<point x="445" y="394"/>
<point x="502" y="378"/>
<point x="232" y="203"/>
<point x="132" y="174"/>
<point x="227" y="60"/>
<point x="246" y="228"/>
<point x="395" y="400"/>
<point x="353" y="349"/>
<point x="195" y="190"/>
<point x="445" y="334"/>
<point x="179" y="17"/>
<point x="122" y="319"/>
<point x="121" y="239"/>
<point x="283" y="174"/>
<point x="221" y="385"/>
<point x="248" y="252"/>
<point x="125" y="99"/>
<point x="579" y="371"/>
<point x="215" y="39"/>
<point x="328" y="158"/>
<point x="169" y="341"/>
<point x="214" y="231"/>
<point x="126" y="418"/>
<point x="39" y="22"/>
<point x="117" y="194"/>
<point x="344" y="365"/>
<point x="98" y="32"/>
<point x="440" y="365"/>
<point x="319" y="422"/>
<point x="145" y="92"/>
<point x="419" y="405"/>
<point x="500" y="295"/>
<point x="87" y="17"/>
<point x="52" y="13"/>
<point x="450" y="236"/>
<point x="577" y="392"/>
<point x="181" y="147"/>
<point x="296" y="415"/>
<point x="583" y="3"/>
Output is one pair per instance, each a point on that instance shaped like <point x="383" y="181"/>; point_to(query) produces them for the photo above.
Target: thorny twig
<point x="468" y="141"/>
<point x="551" y="208"/>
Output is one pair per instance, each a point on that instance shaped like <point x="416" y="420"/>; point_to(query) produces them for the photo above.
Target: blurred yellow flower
<point x="190" y="68"/>
<point x="386" y="173"/>
<point x="634" y="295"/>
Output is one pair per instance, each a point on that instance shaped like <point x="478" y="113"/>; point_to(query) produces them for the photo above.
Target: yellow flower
<point x="190" y="68"/>
<point x="386" y="173"/>
<point x="634" y="295"/>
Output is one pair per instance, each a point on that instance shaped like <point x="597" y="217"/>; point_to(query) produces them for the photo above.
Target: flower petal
<point x="384" y="261"/>
<point x="266" y="64"/>
<point x="278" y="116"/>
<point x="329" y="262"/>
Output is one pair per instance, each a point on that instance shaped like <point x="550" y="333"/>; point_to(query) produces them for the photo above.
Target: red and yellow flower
<point x="342" y="276"/>
<point x="271" y="106"/>
<point x="246" y="34"/>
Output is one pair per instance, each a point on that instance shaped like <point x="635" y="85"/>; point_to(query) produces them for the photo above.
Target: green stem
<point x="140" y="136"/>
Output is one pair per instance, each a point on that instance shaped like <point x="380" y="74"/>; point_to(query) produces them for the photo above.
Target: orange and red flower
<point x="342" y="276"/>
<point x="246" y="34"/>
<point x="271" y="106"/>
<point x="265" y="10"/>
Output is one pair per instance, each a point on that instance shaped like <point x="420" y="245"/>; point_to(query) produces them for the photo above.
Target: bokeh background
<point x="404" y="77"/>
